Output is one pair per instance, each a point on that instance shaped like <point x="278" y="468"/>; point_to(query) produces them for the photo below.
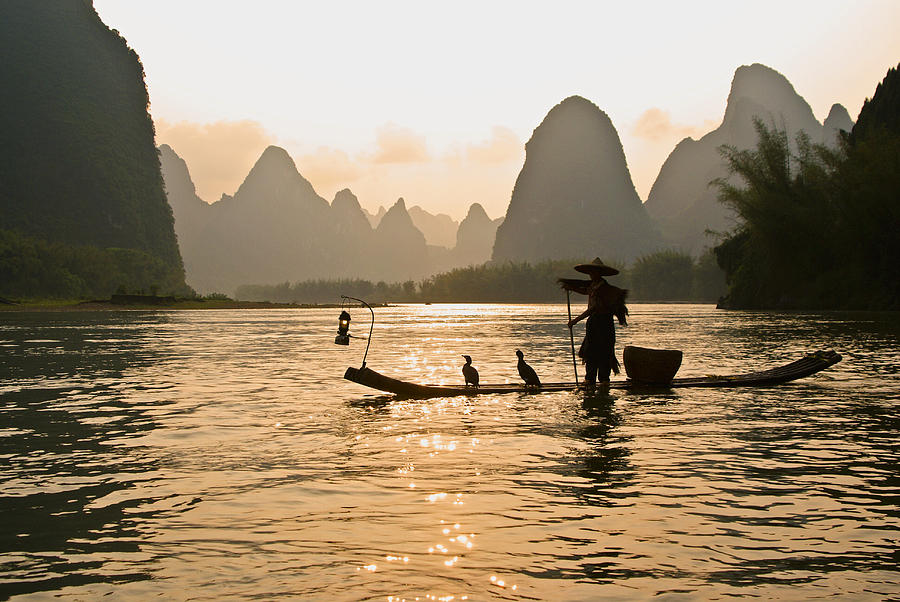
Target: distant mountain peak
<point x="748" y="78"/>
<point x="477" y="212"/>
<point x="475" y="236"/>
<point x="439" y="228"/>
<point x="574" y="172"/>
<point x="838" y="110"/>
<point x="573" y="101"/>
<point x="764" y="87"/>
<point x="404" y="247"/>
<point x="575" y="117"/>
<point x="838" y="119"/>
<point x="275" y="179"/>
<point x="350" y="225"/>
<point x="178" y="168"/>
<point x="397" y="218"/>
<point x="277" y="155"/>
<point x="344" y="199"/>
<point x="273" y="163"/>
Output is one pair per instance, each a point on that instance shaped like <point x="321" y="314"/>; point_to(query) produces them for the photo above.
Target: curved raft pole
<point x="810" y="364"/>
<point x="371" y="326"/>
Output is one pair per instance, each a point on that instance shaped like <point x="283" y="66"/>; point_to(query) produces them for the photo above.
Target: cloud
<point x="330" y="168"/>
<point x="655" y="125"/>
<point x="503" y="146"/>
<point x="396" y="144"/>
<point x="219" y="155"/>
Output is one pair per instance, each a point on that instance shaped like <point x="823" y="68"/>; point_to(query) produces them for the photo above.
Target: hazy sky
<point x="434" y="101"/>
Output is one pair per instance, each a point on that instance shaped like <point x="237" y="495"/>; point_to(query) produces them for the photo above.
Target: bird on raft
<point x="527" y="372"/>
<point x="470" y="373"/>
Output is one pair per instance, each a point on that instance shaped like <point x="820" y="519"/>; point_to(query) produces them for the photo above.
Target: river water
<point x="209" y="455"/>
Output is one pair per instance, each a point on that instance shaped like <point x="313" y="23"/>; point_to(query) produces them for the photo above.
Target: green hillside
<point x="78" y="164"/>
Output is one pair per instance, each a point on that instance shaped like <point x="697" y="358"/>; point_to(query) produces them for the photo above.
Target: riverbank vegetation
<point x="31" y="267"/>
<point x="215" y="301"/>
<point x="818" y="227"/>
<point x="661" y="276"/>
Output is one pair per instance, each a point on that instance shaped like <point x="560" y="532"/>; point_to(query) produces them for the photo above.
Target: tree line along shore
<point x="665" y="276"/>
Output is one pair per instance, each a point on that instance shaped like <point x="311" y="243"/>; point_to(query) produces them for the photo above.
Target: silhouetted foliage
<point x="78" y="165"/>
<point x="506" y="282"/>
<point x="708" y="279"/>
<point x="881" y="113"/>
<point x="663" y="276"/>
<point x="818" y="228"/>
<point x="784" y="209"/>
<point x="320" y="291"/>
<point x="498" y="283"/>
<point x="31" y="267"/>
<point x="216" y="297"/>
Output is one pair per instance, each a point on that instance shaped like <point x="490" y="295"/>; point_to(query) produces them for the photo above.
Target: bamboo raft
<point x="806" y="366"/>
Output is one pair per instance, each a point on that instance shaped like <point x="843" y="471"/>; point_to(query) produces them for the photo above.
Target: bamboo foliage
<point x="817" y="227"/>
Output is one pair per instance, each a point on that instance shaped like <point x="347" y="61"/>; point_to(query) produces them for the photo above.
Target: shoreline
<point x="44" y="306"/>
<point x="213" y="304"/>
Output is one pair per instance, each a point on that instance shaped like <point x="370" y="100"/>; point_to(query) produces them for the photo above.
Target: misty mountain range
<point x="574" y="198"/>
<point x="276" y="228"/>
<point x="682" y="202"/>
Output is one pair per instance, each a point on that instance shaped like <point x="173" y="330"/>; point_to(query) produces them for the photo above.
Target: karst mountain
<point x="80" y="182"/>
<point x="574" y="196"/>
<point x="682" y="200"/>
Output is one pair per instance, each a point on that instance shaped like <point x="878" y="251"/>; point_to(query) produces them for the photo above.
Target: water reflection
<point x="69" y="511"/>
<point x="606" y="462"/>
<point x="149" y="454"/>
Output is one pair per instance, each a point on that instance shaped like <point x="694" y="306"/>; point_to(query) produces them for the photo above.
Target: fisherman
<point x="597" y="351"/>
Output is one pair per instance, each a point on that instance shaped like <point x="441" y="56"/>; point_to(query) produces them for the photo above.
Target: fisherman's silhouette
<point x="470" y="373"/>
<point x="527" y="372"/>
<point x="604" y="301"/>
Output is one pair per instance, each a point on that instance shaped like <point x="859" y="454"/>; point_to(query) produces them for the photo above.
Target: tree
<point x="663" y="276"/>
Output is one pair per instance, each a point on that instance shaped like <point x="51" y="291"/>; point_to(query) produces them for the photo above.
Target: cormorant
<point x="470" y="373"/>
<point x="527" y="372"/>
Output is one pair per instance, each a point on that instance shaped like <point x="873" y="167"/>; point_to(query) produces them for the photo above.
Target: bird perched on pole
<point x="527" y="372"/>
<point x="470" y="373"/>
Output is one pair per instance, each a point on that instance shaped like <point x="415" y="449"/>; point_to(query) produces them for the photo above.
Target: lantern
<point x="343" y="332"/>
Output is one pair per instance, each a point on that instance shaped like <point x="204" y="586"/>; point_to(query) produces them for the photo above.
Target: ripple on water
<point x="153" y="453"/>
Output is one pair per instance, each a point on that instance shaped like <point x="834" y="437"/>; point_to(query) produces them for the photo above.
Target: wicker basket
<point x="652" y="366"/>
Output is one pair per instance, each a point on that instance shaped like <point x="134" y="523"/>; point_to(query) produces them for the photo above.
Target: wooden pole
<point x="572" y="336"/>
